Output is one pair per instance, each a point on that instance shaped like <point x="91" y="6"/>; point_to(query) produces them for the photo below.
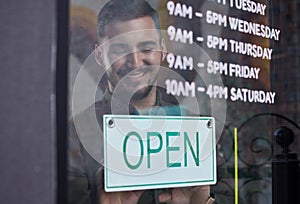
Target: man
<point x="131" y="50"/>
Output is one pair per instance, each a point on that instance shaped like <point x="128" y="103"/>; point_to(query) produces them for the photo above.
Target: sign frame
<point x="109" y="121"/>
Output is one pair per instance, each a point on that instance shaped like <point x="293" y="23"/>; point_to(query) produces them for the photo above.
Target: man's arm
<point x="78" y="186"/>
<point x="187" y="195"/>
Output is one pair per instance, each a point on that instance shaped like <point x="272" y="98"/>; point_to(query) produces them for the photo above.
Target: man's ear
<point x="98" y="55"/>
<point x="164" y="49"/>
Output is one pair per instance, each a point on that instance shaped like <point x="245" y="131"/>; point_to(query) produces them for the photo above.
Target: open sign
<point x="148" y="152"/>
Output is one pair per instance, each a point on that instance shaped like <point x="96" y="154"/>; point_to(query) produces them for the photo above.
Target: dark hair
<point x="124" y="10"/>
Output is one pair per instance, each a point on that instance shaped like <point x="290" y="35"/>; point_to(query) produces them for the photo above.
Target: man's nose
<point x="135" y="59"/>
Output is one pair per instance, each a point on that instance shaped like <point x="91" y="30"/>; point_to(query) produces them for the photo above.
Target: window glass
<point x="236" y="61"/>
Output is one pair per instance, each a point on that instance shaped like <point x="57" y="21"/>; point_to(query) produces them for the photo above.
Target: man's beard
<point x="142" y="93"/>
<point x="125" y="94"/>
<point x="134" y="91"/>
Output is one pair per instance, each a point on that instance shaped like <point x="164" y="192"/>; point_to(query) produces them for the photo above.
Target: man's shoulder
<point x="95" y="110"/>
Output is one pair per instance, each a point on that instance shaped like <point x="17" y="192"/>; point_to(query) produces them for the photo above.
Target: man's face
<point x="132" y="54"/>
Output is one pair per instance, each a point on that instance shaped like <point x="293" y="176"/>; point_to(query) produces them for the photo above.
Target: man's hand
<point x="128" y="197"/>
<point x="188" y="195"/>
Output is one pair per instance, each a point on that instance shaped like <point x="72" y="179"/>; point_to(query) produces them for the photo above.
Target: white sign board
<point x="149" y="152"/>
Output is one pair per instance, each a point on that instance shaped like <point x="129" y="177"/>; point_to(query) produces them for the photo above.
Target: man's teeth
<point x="135" y="74"/>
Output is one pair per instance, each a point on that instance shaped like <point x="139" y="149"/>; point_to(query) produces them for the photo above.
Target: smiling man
<point x="132" y="60"/>
<point x="131" y="50"/>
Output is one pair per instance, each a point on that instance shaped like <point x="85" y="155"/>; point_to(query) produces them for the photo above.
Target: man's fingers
<point x="164" y="197"/>
<point x="175" y="196"/>
<point x="188" y="195"/>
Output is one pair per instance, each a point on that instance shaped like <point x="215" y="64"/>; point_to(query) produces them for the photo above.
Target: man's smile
<point x="133" y="73"/>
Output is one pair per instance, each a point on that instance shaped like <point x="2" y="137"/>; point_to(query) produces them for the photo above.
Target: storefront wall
<point x="27" y="147"/>
<point x="259" y="93"/>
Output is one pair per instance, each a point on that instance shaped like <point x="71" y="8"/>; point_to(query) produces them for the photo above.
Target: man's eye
<point x="147" y="49"/>
<point x="119" y="51"/>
